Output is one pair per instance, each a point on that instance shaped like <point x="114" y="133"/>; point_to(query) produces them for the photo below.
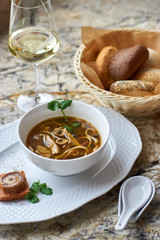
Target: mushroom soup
<point x="54" y="138"/>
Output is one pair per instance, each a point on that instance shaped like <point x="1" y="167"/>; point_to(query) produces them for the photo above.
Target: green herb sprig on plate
<point x="36" y="188"/>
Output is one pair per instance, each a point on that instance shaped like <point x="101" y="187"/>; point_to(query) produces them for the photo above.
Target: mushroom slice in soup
<point x="47" y="155"/>
<point x="36" y="136"/>
<point x="48" y="140"/>
<point x="54" y="148"/>
<point x="43" y="149"/>
<point x="59" y="131"/>
<point x="61" y="141"/>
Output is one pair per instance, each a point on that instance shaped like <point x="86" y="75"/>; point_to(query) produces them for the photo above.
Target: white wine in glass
<point x="33" y="38"/>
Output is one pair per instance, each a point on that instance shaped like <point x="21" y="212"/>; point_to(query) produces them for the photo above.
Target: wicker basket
<point x="131" y="106"/>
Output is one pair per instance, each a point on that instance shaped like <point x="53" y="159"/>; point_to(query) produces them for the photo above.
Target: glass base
<point x="26" y="102"/>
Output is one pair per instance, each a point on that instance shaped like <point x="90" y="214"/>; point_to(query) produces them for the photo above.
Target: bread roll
<point x="157" y="89"/>
<point x="134" y="88"/>
<point x="126" y="61"/>
<point x="153" y="59"/>
<point x="148" y="74"/>
<point x="102" y="62"/>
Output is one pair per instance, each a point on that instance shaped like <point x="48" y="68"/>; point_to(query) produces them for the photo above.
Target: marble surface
<point x="96" y="219"/>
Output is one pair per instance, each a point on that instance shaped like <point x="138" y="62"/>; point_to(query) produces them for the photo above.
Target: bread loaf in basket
<point x="93" y="41"/>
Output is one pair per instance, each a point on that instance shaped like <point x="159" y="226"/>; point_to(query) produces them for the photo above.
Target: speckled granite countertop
<point x="95" y="220"/>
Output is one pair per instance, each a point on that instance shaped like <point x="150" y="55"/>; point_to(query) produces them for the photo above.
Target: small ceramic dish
<point x="69" y="166"/>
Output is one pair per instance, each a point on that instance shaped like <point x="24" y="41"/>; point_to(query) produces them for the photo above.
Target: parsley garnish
<point x="31" y="196"/>
<point x="63" y="104"/>
<point x="35" y="188"/>
<point x="55" y="104"/>
<point x="44" y="189"/>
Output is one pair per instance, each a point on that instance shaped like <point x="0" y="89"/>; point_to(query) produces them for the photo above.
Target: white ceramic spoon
<point x="137" y="214"/>
<point x="135" y="193"/>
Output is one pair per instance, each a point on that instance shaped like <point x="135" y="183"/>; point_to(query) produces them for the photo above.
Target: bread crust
<point x="126" y="61"/>
<point x="134" y="88"/>
<point x="147" y="74"/>
<point x="102" y="62"/>
<point x="157" y="89"/>
<point x="153" y="60"/>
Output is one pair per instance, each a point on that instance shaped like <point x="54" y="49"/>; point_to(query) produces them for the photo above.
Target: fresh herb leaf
<point x="46" y="191"/>
<point x="75" y="125"/>
<point x="31" y="196"/>
<point x="69" y="128"/>
<point x="65" y="104"/>
<point x="35" y="199"/>
<point x="53" y="105"/>
<point x="35" y="187"/>
<point x="43" y="185"/>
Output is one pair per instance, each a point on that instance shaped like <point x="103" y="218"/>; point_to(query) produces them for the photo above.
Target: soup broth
<point x="54" y="138"/>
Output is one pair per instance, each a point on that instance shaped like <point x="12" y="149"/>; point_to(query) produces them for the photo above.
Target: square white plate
<point x="69" y="193"/>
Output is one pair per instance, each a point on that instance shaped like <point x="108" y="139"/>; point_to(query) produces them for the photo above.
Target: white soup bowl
<point x="58" y="166"/>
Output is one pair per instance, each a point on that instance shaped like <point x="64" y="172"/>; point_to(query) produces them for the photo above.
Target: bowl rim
<point x="62" y="160"/>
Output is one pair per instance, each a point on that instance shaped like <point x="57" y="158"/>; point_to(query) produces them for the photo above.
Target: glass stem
<point x="37" y="91"/>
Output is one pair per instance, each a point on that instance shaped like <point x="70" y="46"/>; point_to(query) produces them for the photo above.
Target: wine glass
<point x="33" y="38"/>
